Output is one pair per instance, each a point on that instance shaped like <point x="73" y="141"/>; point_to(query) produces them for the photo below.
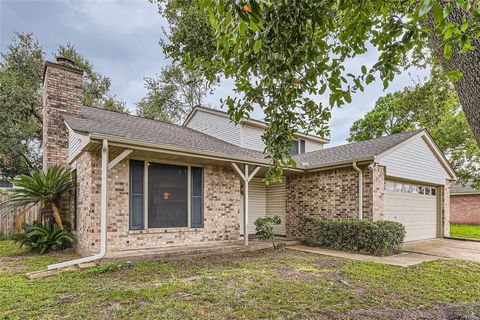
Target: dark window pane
<point x="294" y="148"/>
<point x="302" y="146"/>
<point x="197" y="198"/>
<point x="137" y="169"/>
<point x="136" y="194"/>
<point x="167" y="196"/>
<point x="136" y="219"/>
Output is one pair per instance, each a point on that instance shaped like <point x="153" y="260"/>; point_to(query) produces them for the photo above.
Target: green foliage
<point x="433" y="105"/>
<point x="264" y="228"/>
<point x="172" y="94"/>
<point x="44" y="188"/>
<point x="379" y="238"/>
<point x="44" y="237"/>
<point x="21" y="71"/>
<point x="282" y="54"/>
<point x="21" y="79"/>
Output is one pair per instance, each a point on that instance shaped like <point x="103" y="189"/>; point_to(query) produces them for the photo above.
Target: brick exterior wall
<point x="62" y="94"/>
<point x="89" y="172"/>
<point x="465" y="209"/>
<point x="445" y="205"/>
<point x="332" y="195"/>
<point x="221" y="210"/>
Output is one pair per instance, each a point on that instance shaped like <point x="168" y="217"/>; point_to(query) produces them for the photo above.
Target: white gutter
<point x="103" y="218"/>
<point x="360" y="190"/>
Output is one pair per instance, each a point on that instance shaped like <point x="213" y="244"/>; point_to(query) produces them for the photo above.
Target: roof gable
<point x="417" y="158"/>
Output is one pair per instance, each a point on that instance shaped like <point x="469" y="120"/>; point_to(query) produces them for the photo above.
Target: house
<point x="464" y="204"/>
<point x="144" y="184"/>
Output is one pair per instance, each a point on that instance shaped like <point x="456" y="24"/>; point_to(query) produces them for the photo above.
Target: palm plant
<point x="42" y="188"/>
<point x="44" y="237"/>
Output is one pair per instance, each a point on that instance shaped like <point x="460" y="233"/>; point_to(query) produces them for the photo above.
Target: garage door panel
<point x="417" y="212"/>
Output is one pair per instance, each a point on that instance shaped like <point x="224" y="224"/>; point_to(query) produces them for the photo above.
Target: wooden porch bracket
<point x="246" y="177"/>
<point x="119" y="158"/>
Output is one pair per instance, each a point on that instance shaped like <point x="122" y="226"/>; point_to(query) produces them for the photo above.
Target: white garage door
<point x="414" y="206"/>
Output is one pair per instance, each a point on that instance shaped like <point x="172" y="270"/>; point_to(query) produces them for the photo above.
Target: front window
<point x="165" y="195"/>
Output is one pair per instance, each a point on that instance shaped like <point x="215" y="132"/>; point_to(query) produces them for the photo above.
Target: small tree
<point x="264" y="228"/>
<point x="45" y="189"/>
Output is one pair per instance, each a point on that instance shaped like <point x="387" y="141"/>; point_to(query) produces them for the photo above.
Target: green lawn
<point x="272" y="285"/>
<point x="465" y="231"/>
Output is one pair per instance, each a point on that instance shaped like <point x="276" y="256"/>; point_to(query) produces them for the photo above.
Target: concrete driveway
<point x="447" y="248"/>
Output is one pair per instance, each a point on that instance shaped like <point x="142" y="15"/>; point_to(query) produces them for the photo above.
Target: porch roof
<point x="136" y="129"/>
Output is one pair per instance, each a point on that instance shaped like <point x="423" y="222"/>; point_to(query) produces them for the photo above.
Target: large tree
<point x="21" y="75"/>
<point x="172" y="94"/>
<point x="96" y="87"/>
<point x="283" y="53"/>
<point x="433" y="105"/>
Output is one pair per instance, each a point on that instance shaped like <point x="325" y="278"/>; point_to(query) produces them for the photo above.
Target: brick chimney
<point x="62" y="95"/>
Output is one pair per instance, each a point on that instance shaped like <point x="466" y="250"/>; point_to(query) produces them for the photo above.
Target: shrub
<point x="44" y="237"/>
<point x="264" y="228"/>
<point x="379" y="238"/>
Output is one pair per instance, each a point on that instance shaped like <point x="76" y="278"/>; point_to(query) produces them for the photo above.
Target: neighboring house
<point x="464" y="204"/>
<point x="145" y="184"/>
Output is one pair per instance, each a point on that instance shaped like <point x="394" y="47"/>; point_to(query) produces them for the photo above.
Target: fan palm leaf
<point x="44" y="188"/>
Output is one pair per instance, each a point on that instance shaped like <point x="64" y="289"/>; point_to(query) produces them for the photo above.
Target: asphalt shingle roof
<point x="352" y="151"/>
<point x="456" y="188"/>
<point x="101" y="121"/>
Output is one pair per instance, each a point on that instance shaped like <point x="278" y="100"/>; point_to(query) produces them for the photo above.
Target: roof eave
<point x="342" y="163"/>
<point x="186" y="151"/>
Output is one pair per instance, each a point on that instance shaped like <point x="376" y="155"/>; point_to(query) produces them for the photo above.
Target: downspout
<point x="360" y="190"/>
<point x="103" y="218"/>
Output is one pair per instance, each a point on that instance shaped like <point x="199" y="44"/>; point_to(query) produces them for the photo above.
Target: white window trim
<point x="189" y="166"/>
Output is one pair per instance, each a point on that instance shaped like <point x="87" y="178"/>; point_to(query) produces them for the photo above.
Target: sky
<point x="121" y="39"/>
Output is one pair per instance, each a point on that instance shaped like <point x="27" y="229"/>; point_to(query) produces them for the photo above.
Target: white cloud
<point x="116" y="16"/>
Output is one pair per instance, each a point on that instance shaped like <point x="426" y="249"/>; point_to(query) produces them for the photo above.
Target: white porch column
<point x="246" y="177"/>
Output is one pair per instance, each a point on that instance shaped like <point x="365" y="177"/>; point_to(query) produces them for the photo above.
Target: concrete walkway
<point x="403" y="259"/>
<point x="447" y="248"/>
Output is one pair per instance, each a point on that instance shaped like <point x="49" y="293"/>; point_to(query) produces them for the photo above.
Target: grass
<point x="262" y="285"/>
<point x="465" y="231"/>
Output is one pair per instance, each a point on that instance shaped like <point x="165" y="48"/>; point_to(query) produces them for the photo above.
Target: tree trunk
<point x="468" y="88"/>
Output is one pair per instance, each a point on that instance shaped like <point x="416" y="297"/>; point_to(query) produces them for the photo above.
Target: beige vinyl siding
<point x="313" y="146"/>
<point x="257" y="205"/>
<point x="415" y="161"/>
<point x="276" y="193"/>
<point x="216" y="126"/>
<point x="252" y="138"/>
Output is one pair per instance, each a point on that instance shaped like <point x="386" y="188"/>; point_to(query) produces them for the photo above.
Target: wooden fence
<point x="9" y="214"/>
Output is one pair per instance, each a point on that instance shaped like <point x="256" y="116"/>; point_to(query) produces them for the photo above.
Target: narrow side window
<point x="136" y="194"/>
<point x="197" y="197"/>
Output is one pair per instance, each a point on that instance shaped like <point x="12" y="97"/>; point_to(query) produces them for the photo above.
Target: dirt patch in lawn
<point x="440" y="312"/>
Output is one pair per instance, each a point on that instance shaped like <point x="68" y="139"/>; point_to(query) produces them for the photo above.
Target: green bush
<point x="264" y="228"/>
<point x="380" y="238"/>
<point x="44" y="237"/>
